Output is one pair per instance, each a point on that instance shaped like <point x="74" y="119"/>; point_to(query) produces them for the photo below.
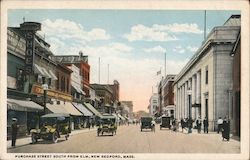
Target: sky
<point x="132" y="43"/>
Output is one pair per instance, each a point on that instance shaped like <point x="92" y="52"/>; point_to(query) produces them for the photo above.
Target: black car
<point x="165" y="122"/>
<point x="146" y="123"/>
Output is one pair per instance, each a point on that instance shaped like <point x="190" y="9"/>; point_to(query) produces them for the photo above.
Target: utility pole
<point x="108" y="73"/>
<point x="205" y="25"/>
<point x="99" y="70"/>
<point x="165" y="64"/>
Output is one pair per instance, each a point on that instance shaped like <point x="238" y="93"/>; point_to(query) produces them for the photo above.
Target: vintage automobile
<point x="146" y="123"/>
<point x="107" y="124"/>
<point x="52" y="127"/>
<point x="165" y="122"/>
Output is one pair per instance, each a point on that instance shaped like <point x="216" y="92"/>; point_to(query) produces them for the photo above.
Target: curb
<point x="27" y="140"/>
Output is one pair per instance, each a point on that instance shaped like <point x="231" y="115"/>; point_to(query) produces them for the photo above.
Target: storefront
<point x="26" y="112"/>
<point x="87" y="115"/>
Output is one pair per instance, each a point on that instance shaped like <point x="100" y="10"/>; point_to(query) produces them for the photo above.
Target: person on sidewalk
<point x="205" y="124"/>
<point x="226" y="129"/>
<point x="182" y="124"/>
<point x="14" y="128"/>
<point x="219" y="124"/>
<point x="198" y="124"/>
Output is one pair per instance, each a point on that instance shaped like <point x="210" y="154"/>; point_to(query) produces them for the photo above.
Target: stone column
<point x="193" y="96"/>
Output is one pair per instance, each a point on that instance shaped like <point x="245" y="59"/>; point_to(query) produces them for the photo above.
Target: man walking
<point x="205" y="124"/>
<point x="198" y="124"/>
<point x="14" y="128"/>
<point x="219" y="124"/>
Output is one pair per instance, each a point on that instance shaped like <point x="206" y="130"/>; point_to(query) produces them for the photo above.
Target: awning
<point x="57" y="108"/>
<point x="53" y="76"/>
<point x="83" y="109"/>
<point x="23" y="105"/>
<point x="38" y="70"/>
<point x="108" y="116"/>
<point x="93" y="110"/>
<point x="46" y="73"/>
<point x="64" y="107"/>
<point x="78" y="88"/>
<point x="121" y="117"/>
<point x="42" y="71"/>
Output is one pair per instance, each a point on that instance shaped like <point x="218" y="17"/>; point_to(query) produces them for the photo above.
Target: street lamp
<point x="45" y="88"/>
<point x="189" y="92"/>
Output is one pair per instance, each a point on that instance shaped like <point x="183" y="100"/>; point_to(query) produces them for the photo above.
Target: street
<point x="129" y="139"/>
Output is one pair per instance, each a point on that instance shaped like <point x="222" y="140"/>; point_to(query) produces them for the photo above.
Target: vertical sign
<point x="29" y="58"/>
<point x="30" y="29"/>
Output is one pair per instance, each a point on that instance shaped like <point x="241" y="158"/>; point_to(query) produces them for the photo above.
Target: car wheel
<point x="33" y="138"/>
<point x="54" y="137"/>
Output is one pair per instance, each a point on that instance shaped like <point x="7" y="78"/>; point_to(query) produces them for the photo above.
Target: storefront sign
<point x="30" y="48"/>
<point x="30" y="29"/>
<point x="36" y="89"/>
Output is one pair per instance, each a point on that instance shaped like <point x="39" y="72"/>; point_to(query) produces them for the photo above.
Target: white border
<point x="242" y="5"/>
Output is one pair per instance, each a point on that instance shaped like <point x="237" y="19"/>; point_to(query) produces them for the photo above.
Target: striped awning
<point x="64" y="107"/>
<point x="83" y="109"/>
<point x="93" y="110"/>
<point x="23" y="105"/>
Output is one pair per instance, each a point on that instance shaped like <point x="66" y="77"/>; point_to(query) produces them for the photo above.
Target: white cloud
<point x="141" y="32"/>
<point x="179" y="49"/>
<point x="192" y="49"/>
<point x="156" y="49"/>
<point x="160" y="32"/>
<point x="70" y="30"/>
<point x="179" y="28"/>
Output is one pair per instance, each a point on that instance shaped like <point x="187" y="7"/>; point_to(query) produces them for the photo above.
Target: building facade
<point x="236" y="76"/>
<point x="168" y="107"/>
<point x="81" y="62"/>
<point x="202" y="88"/>
<point x="153" y="103"/>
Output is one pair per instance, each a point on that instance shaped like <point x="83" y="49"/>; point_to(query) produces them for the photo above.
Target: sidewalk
<point x="27" y="140"/>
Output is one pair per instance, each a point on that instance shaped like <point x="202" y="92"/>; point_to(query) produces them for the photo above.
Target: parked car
<point x="53" y="126"/>
<point x="107" y="124"/>
<point x="165" y="122"/>
<point x="146" y="123"/>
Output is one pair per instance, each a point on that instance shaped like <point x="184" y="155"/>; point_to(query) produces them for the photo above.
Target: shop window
<point x="62" y="83"/>
<point x="49" y="81"/>
<point x="43" y="80"/>
<point x="206" y="78"/>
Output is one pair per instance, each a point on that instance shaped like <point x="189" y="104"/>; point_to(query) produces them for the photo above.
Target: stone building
<point x="202" y="88"/>
<point x="235" y="93"/>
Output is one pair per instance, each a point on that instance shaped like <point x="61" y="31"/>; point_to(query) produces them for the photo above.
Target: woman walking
<point x="226" y="129"/>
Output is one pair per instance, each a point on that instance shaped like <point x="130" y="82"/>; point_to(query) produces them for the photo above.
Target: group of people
<point x="223" y="125"/>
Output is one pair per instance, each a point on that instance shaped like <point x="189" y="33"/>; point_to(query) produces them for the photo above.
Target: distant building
<point x="153" y="103"/>
<point x="106" y="97"/>
<point x="130" y="105"/>
<point x="168" y="107"/>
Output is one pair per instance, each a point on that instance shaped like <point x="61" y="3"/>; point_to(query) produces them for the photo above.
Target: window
<point x="206" y="78"/>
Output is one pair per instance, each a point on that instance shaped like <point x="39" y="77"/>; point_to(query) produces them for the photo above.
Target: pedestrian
<point x="219" y="124"/>
<point x="190" y="125"/>
<point x="14" y="128"/>
<point x="153" y="124"/>
<point x="182" y="124"/>
<point x="205" y="124"/>
<point x="198" y="124"/>
<point x="226" y="129"/>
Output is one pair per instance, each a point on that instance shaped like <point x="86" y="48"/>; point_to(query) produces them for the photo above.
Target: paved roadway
<point x="130" y="139"/>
